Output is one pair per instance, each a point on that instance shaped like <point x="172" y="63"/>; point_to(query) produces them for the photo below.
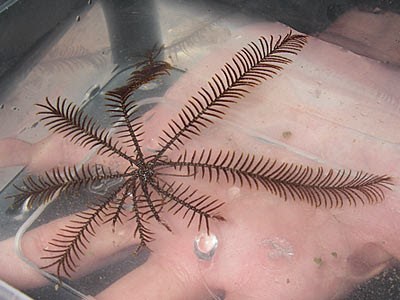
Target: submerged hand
<point x="267" y="247"/>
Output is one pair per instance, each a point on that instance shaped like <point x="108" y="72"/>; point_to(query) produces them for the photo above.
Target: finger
<point x="290" y="253"/>
<point x="111" y="247"/>
<point x="55" y="150"/>
<point x="171" y="272"/>
<point x="157" y="279"/>
<point x="366" y="34"/>
<point x="14" y="152"/>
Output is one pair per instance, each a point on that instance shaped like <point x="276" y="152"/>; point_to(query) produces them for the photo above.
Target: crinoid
<point x="143" y="184"/>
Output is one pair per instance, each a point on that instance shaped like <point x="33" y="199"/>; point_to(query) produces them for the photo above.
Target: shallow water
<point x="335" y="106"/>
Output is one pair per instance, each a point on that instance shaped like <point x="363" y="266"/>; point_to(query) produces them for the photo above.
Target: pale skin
<point x="320" y="111"/>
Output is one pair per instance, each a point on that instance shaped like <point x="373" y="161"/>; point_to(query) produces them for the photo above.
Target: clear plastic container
<point x="336" y="105"/>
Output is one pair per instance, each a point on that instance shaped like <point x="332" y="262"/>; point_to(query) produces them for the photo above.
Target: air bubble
<point x="205" y="246"/>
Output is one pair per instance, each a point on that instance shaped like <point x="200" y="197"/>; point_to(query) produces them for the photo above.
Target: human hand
<point x="267" y="247"/>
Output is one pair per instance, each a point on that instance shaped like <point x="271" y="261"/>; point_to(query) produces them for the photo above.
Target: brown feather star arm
<point x="250" y="67"/>
<point x="184" y="198"/>
<point x="66" y="181"/>
<point x="286" y="180"/>
<point x="123" y="109"/>
<point x="72" y="241"/>
<point x="66" y="118"/>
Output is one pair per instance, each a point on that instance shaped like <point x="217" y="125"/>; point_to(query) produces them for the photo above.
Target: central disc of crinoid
<point x="145" y="172"/>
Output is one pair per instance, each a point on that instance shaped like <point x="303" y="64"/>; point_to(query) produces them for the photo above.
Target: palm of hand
<point x="263" y="237"/>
